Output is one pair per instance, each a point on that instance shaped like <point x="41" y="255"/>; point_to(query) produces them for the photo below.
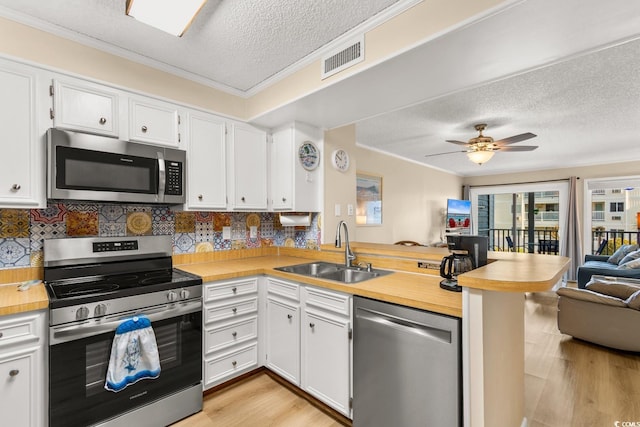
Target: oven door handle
<point x="60" y="334"/>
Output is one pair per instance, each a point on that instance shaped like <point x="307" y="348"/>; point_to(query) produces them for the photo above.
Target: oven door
<point x="79" y="357"/>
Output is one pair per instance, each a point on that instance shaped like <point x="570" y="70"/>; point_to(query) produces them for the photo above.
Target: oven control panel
<point x="122" y="245"/>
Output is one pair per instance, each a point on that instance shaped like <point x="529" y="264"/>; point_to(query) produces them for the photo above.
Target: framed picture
<point x="368" y="199"/>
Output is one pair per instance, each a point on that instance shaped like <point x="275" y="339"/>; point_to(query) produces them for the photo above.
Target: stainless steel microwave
<point x="81" y="166"/>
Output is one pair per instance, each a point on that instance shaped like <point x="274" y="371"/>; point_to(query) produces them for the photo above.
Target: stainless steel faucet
<point x="348" y="255"/>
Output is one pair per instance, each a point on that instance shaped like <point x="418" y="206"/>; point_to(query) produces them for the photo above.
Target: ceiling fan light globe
<point x="480" y="157"/>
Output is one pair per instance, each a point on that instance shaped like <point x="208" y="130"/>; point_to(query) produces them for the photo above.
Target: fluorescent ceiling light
<point x="171" y="16"/>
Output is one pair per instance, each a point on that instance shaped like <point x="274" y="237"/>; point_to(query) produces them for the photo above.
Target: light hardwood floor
<point x="567" y="383"/>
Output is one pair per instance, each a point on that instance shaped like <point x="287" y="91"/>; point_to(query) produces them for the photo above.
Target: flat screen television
<point x="458" y="216"/>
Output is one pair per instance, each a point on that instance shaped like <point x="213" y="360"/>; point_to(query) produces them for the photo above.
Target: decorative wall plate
<point x="309" y="155"/>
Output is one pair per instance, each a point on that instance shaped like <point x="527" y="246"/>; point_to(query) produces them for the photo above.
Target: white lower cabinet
<point x="326" y="347"/>
<point x="282" y="339"/>
<point x="230" y="328"/>
<point x="23" y="382"/>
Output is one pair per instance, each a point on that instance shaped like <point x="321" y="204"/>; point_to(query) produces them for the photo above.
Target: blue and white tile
<point x="266" y="229"/>
<point x="82" y="207"/>
<point x="184" y="243"/>
<point x="301" y="239"/>
<point x="163" y="228"/>
<point x="220" y="244"/>
<point x="204" y="231"/>
<point x="112" y="214"/>
<point x="15" y="252"/>
<point x="278" y="238"/>
<point x="112" y="229"/>
<point x="41" y="232"/>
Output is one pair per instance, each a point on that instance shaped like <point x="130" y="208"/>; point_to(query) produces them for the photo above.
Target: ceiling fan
<point x="482" y="148"/>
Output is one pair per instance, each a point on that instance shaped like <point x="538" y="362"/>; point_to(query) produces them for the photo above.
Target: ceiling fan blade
<point x="515" y="138"/>
<point x="518" y="148"/>
<point x="448" y="152"/>
<point x="457" y="142"/>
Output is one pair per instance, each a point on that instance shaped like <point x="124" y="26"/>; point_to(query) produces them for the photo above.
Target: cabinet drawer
<point x="235" y="308"/>
<point x="228" y="364"/>
<point x="283" y="289"/>
<point x="221" y="290"/>
<point x="18" y="329"/>
<point x="228" y="334"/>
<point x="329" y="301"/>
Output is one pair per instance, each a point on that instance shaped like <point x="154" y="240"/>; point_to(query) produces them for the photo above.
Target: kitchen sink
<point x="337" y="272"/>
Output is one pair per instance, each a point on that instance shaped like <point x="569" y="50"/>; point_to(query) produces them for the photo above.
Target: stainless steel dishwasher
<point x="407" y="367"/>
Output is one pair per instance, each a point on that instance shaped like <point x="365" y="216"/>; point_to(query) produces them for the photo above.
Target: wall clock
<point x="340" y="160"/>
<point x="309" y="155"/>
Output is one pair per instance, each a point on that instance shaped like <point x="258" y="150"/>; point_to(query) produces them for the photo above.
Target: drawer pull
<point x="312" y="325"/>
<point x="199" y="196"/>
<point x="0" y="334"/>
<point x="144" y="129"/>
<point x="15" y="187"/>
<point x="235" y="310"/>
<point x="235" y="334"/>
<point x="234" y="290"/>
<point x="289" y="316"/>
<point x="13" y="372"/>
<point x="102" y="120"/>
<point x="243" y="199"/>
<point x="234" y="363"/>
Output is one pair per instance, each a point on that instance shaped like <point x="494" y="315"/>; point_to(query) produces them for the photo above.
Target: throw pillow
<point x="622" y="251"/>
<point x="618" y="290"/>
<point x="630" y="257"/>
<point x="586" y="295"/>
<point x="634" y="301"/>
<point x="634" y="263"/>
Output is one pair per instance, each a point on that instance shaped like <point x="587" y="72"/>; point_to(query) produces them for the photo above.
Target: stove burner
<point x="84" y="290"/>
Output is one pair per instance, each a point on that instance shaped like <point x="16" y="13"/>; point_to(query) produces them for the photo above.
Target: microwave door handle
<point x="162" y="177"/>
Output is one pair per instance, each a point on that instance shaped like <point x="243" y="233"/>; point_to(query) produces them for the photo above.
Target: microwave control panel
<point x="174" y="178"/>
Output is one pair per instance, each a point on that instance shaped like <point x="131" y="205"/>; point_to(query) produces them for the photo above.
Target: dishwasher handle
<point x="404" y="325"/>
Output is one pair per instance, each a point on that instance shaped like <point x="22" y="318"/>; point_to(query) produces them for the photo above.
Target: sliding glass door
<point x="528" y="218"/>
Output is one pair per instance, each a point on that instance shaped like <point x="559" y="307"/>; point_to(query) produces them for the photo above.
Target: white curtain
<point x="573" y="242"/>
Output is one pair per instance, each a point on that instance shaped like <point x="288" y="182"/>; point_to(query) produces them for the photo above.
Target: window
<point x="616" y="207"/>
<point x="616" y="218"/>
<point x="616" y="191"/>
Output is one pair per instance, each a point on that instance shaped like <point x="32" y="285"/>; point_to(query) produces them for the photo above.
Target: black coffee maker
<point x="467" y="253"/>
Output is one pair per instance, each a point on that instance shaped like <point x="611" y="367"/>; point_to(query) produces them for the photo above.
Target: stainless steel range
<point x="94" y="285"/>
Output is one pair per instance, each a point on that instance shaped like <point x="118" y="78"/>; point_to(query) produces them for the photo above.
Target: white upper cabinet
<point x="154" y="122"/>
<point x="206" y="168"/>
<point x="86" y="107"/>
<point x="22" y="145"/>
<point x="296" y="175"/>
<point x="247" y="173"/>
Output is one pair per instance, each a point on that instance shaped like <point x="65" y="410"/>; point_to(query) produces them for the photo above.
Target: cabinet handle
<point x="199" y="196"/>
<point x="144" y="129"/>
<point x="102" y="120"/>
<point x="234" y="290"/>
<point x="289" y="316"/>
<point x="312" y="325"/>
<point x="0" y="334"/>
<point x="242" y="199"/>
<point x="234" y="334"/>
<point x="234" y="363"/>
<point x="284" y="199"/>
<point x="13" y="372"/>
<point x="235" y="310"/>
<point x="15" y="187"/>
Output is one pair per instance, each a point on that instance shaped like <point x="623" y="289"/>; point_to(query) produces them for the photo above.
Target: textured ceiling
<point x="235" y="43"/>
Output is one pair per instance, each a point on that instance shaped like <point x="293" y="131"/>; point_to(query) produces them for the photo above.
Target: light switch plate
<point x="337" y="209"/>
<point x="226" y="233"/>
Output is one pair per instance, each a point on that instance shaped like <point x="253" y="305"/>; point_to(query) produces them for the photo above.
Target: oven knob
<point x="184" y="294"/>
<point x="100" y="310"/>
<point x="172" y="296"/>
<point x="82" y="313"/>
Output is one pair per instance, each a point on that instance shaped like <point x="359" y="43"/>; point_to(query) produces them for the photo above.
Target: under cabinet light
<point x="171" y="16"/>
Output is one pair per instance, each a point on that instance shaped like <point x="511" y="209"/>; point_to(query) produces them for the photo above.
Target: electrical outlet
<point x="253" y="232"/>
<point x="226" y="233"/>
<point x="350" y="209"/>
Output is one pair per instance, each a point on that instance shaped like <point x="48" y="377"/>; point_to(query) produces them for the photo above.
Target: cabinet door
<point x="206" y="162"/>
<point x="21" y="177"/>
<point x="283" y="339"/>
<point x="85" y="107"/>
<point x="248" y="172"/>
<point x="154" y="122"/>
<point x="20" y="404"/>
<point x="282" y="170"/>
<point x="326" y="359"/>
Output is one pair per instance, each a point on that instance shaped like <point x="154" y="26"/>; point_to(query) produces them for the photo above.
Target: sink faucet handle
<point x="367" y="265"/>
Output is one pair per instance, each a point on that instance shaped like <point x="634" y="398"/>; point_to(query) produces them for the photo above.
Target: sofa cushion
<point x="612" y="287"/>
<point x="634" y="301"/>
<point x="630" y="257"/>
<point x="600" y="265"/>
<point x="590" y="296"/>
<point x="622" y="251"/>
<point x="634" y="263"/>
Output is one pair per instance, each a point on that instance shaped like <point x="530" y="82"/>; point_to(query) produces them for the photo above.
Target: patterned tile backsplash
<point x="23" y="231"/>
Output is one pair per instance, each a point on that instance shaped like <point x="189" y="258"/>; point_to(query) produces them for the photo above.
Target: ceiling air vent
<point x="342" y="57"/>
